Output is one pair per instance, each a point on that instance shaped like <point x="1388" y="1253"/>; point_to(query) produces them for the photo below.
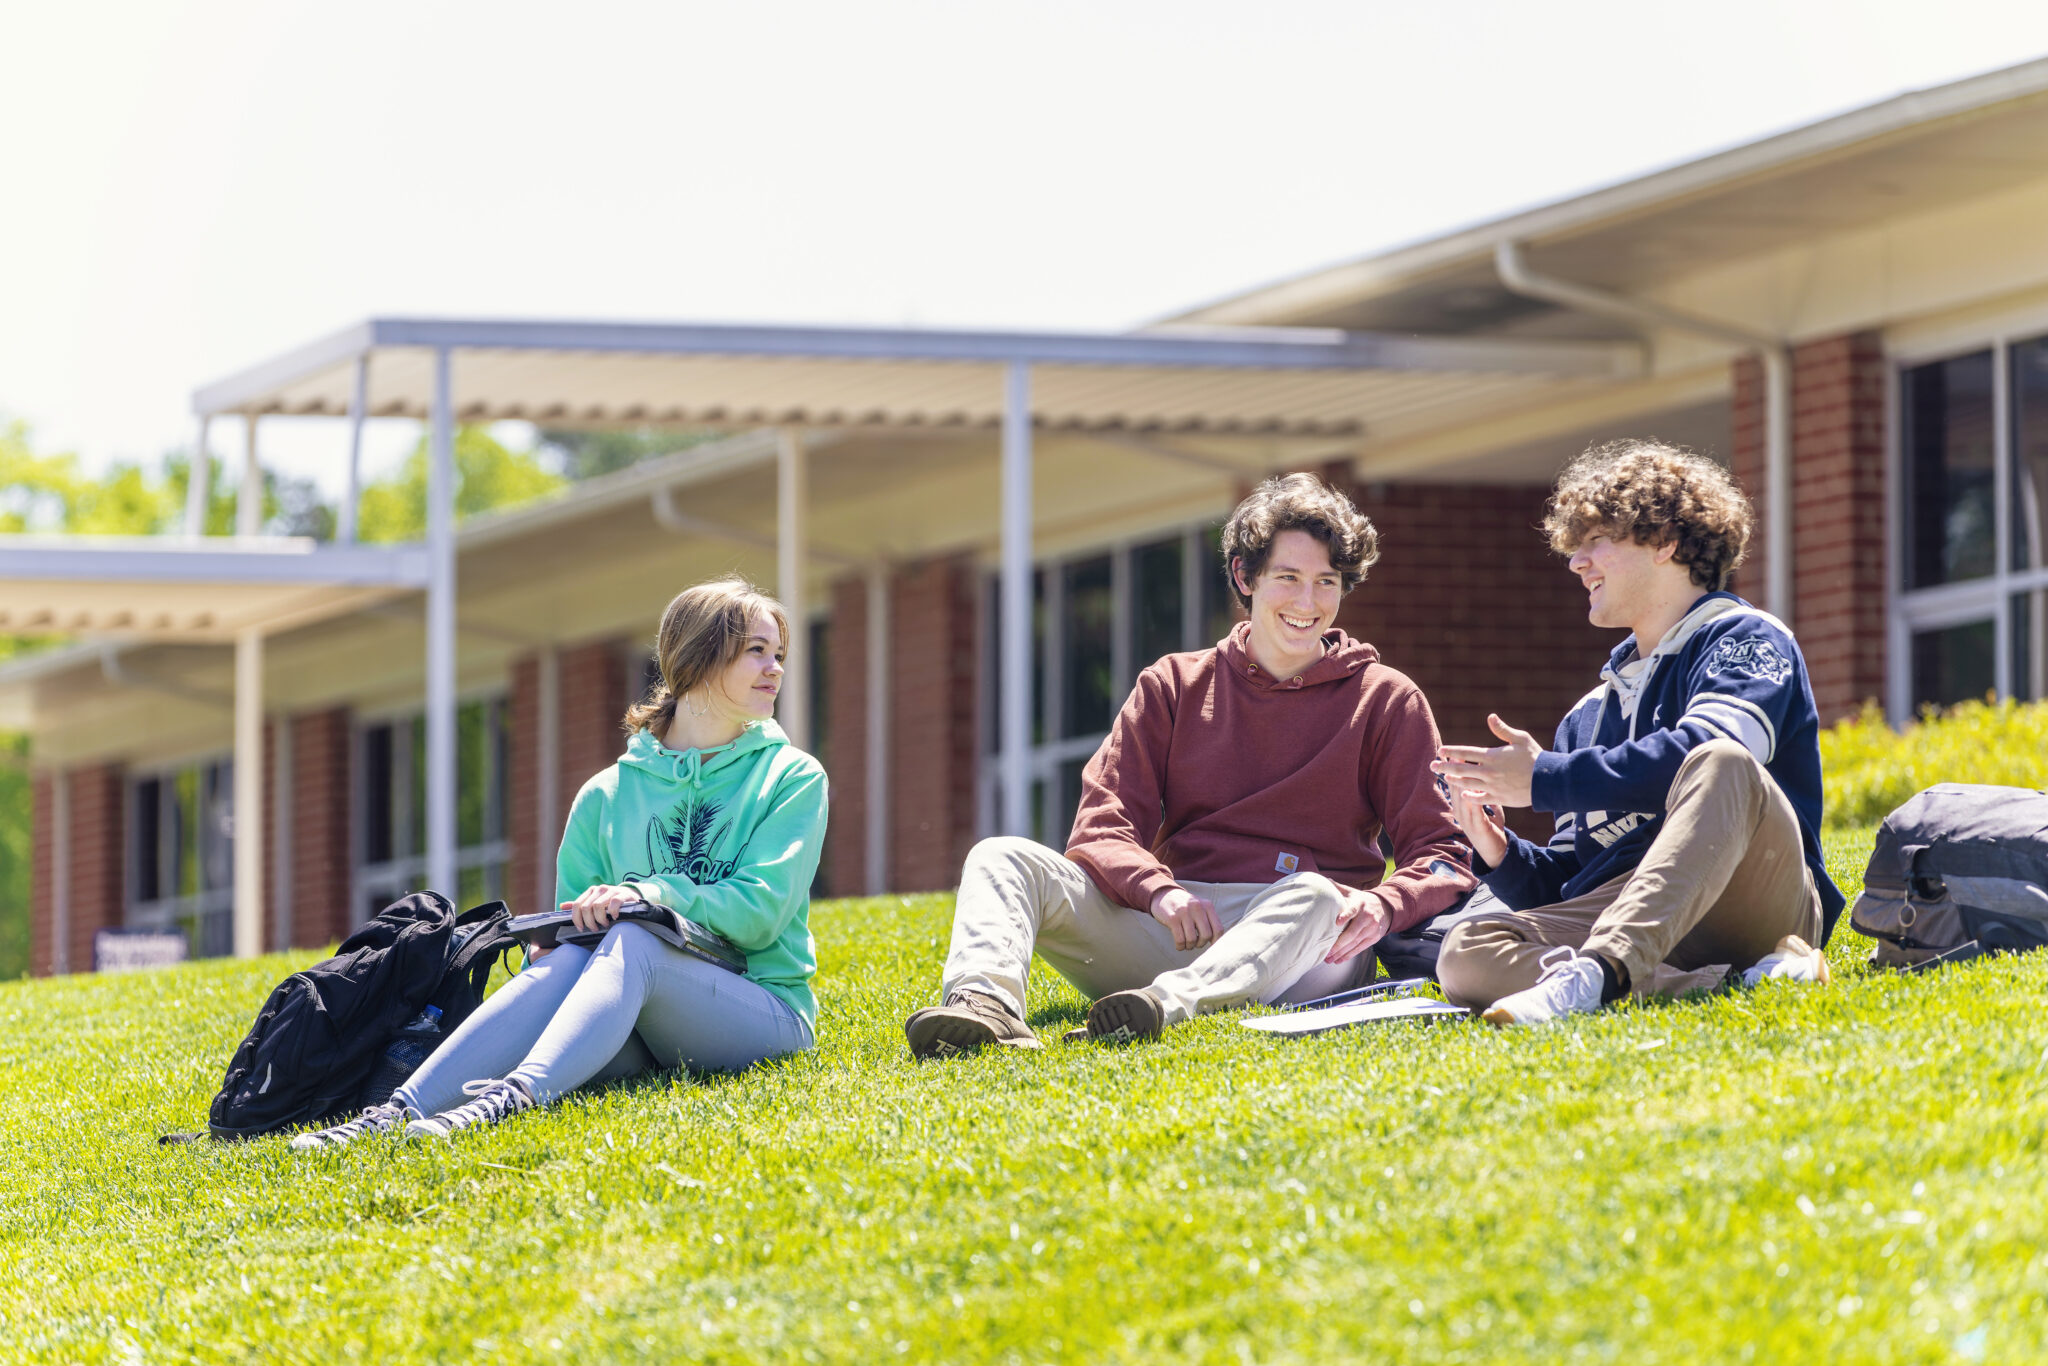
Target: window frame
<point x="407" y="871"/>
<point x="1911" y="611"/>
<point x="1051" y="755"/>
<point x="209" y="907"/>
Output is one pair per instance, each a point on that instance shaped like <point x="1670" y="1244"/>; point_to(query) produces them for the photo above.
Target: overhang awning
<point x="210" y="590"/>
<point x="1256" y="382"/>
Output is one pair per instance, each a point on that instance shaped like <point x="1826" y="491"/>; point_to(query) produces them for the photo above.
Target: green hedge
<point x="1869" y="768"/>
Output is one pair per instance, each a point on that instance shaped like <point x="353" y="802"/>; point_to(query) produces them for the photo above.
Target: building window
<point x="391" y="824"/>
<point x="181" y="861"/>
<point x="1973" y="527"/>
<point x="1098" y="618"/>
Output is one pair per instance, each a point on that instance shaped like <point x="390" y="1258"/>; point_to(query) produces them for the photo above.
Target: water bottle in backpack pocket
<point x="402" y="1057"/>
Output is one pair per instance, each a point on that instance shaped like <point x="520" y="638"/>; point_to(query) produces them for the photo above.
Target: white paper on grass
<point x="1343" y="1017"/>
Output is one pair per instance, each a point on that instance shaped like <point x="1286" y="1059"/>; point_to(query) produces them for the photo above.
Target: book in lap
<point x="549" y="928"/>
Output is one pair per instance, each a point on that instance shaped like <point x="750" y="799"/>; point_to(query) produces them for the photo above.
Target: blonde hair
<point x="703" y="629"/>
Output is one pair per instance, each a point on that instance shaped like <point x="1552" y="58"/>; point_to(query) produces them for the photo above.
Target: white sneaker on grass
<point x="1571" y="984"/>
<point x="388" y="1119"/>
<point x="494" y="1100"/>
<point x="1794" y="960"/>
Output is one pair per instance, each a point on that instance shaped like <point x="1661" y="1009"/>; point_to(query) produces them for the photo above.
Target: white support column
<point x="878" y="684"/>
<point x="199" y="485"/>
<point x="60" y="873"/>
<point x="441" y="633"/>
<point x="547" y="835"/>
<point x="351" y="489"/>
<point x="1013" y="655"/>
<point x="793" y="706"/>
<point x="249" y="502"/>
<point x="1779" y="509"/>
<point x="249" y="787"/>
<point x="1192" y="564"/>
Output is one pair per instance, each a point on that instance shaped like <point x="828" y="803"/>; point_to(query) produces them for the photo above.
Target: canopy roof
<point x="209" y="590"/>
<point x="1916" y="153"/>
<point x="1255" y="382"/>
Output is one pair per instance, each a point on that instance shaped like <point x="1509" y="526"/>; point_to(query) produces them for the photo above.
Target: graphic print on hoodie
<point x="681" y="843"/>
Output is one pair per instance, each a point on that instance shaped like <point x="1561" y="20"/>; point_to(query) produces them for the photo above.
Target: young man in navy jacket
<point x="1687" y="851"/>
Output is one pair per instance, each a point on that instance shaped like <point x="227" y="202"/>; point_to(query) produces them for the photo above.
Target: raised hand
<point x="1480" y="820"/>
<point x="1502" y="775"/>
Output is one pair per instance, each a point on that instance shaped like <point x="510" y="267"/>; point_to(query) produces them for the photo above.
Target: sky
<point x="187" y="190"/>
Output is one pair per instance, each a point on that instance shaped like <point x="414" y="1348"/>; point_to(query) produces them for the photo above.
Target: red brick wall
<point x="1839" y="543"/>
<point x="594" y="689"/>
<point x="99" y="857"/>
<point x="1469" y="601"/>
<point x="931" y="724"/>
<point x="846" y="732"/>
<point x="522" y="802"/>
<point x="321" y="835"/>
<point x="41" y="872"/>
<point x="1746" y="459"/>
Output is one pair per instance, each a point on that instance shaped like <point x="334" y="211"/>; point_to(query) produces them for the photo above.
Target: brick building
<point x="1892" y="264"/>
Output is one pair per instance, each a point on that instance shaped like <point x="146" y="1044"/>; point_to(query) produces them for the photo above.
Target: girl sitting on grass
<point x="709" y="811"/>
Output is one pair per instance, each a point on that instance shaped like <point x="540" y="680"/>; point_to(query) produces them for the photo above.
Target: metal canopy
<point x="1912" y="154"/>
<point x="1255" y="381"/>
<point x="213" y="590"/>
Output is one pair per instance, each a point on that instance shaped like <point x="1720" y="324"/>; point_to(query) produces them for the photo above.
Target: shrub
<point x="1868" y="768"/>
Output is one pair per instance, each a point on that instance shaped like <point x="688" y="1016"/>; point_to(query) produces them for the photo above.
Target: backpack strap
<point x="482" y="950"/>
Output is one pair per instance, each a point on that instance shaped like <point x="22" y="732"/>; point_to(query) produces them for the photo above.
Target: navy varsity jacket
<point x="1726" y="671"/>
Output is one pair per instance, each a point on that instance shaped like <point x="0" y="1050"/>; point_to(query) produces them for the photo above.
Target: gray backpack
<point x="1958" y="871"/>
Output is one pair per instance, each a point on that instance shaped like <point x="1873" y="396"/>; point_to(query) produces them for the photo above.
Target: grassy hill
<point x="1852" y="1171"/>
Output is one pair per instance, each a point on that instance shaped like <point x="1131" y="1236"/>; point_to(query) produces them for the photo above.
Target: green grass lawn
<point x="1850" y="1173"/>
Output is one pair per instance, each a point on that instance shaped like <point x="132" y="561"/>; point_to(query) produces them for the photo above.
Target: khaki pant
<point x="1017" y="896"/>
<point x="1724" y="880"/>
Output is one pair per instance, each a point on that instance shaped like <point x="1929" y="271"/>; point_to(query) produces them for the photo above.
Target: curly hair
<point x="1298" y="502"/>
<point x="1652" y="493"/>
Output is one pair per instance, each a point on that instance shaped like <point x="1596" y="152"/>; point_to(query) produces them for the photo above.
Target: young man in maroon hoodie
<point x="1226" y="849"/>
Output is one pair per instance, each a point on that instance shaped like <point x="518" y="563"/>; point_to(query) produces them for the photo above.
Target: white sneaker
<point x="1794" y="960"/>
<point x="1570" y="985"/>
<point x="378" y="1119"/>
<point x="494" y="1100"/>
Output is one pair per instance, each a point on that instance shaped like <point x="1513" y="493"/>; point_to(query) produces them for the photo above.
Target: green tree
<point x="488" y="475"/>
<point x="584" y="454"/>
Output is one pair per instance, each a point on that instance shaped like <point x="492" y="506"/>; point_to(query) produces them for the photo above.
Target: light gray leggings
<point x="581" y="1015"/>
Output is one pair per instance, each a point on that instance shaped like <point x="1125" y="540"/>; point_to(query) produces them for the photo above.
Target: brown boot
<point x="968" y="1020"/>
<point x="1124" y="1017"/>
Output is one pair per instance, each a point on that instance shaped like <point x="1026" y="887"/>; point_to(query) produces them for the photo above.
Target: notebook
<point x="548" y="928"/>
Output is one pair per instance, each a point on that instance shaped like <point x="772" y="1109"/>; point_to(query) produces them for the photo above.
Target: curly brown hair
<point x="1298" y="502"/>
<point x="1653" y="493"/>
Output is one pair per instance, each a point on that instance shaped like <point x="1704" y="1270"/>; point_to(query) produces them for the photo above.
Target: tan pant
<point x="1016" y="896"/>
<point x="1724" y="880"/>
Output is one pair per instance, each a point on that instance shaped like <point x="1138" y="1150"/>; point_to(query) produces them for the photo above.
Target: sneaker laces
<point x="1554" y="961"/>
<point x="495" y="1099"/>
<point x="375" y="1119"/>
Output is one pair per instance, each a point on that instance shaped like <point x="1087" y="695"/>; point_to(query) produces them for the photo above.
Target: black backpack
<point x="1413" y="952"/>
<point x="1958" y="871"/>
<point x="324" y="1030"/>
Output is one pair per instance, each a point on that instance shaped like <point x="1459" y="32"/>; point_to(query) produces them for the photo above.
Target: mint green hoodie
<point x="730" y="837"/>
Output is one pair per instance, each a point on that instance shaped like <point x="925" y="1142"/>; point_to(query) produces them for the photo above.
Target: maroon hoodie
<point x="1216" y="771"/>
